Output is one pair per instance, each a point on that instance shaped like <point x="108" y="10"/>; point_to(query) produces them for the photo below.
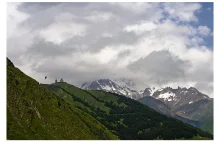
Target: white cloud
<point x="182" y="11"/>
<point x="205" y="87"/>
<point x="138" y="7"/>
<point x="61" y="31"/>
<point x="204" y="30"/>
<point x="196" y="41"/>
<point x="14" y="18"/>
<point x="90" y="41"/>
<point x="19" y="38"/>
<point x="98" y="17"/>
<point x="140" y="28"/>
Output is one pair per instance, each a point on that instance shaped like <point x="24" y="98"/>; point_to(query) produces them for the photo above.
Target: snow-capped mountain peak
<point x="102" y="84"/>
<point x="180" y="96"/>
<point x="168" y="95"/>
<point x="112" y="86"/>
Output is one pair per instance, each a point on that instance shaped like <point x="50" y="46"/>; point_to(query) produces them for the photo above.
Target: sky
<point x="158" y="44"/>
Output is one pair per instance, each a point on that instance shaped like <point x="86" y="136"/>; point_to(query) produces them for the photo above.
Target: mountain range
<point x="182" y="103"/>
<point x="61" y="111"/>
<point x="122" y="87"/>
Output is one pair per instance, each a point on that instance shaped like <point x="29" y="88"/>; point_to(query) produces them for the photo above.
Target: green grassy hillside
<point x="126" y="118"/>
<point x="33" y="112"/>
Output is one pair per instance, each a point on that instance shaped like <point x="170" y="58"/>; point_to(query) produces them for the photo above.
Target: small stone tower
<point x="56" y="81"/>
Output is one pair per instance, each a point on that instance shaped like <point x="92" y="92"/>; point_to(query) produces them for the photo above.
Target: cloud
<point x="159" y="44"/>
<point x="42" y="48"/>
<point x="138" y="7"/>
<point x="14" y="18"/>
<point x="97" y="16"/>
<point x="204" y="30"/>
<point x="18" y="36"/>
<point x="139" y="28"/>
<point x="61" y="31"/>
<point x="173" y="67"/>
<point x="205" y="87"/>
<point x="185" y="12"/>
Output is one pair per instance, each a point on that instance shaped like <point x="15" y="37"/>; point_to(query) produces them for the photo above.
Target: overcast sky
<point x="160" y="44"/>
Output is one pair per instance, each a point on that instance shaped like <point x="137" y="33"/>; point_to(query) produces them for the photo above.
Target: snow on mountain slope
<point x="167" y="96"/>
<point x="121" y="86"/>
<point x="111" y="86"/>
<point x="125" y="83"/>
<point x="171" y="97"/>
<point x="149" y="91"/>
<point x="178" y="97"/>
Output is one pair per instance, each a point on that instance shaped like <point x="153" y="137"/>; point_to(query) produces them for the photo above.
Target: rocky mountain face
<point x="125" y="88"/>
<point x="171" y="97"/>
<point x="177" y="97"/>
<point x="186" y="104"/>
<point x="156" y="105"/>
<point x="200" y="111"/>
<point x="148" y="92"/>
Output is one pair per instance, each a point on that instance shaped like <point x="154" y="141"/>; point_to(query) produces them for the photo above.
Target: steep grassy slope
<point x="127" y="118"/>
<point x="33" y="112"/>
